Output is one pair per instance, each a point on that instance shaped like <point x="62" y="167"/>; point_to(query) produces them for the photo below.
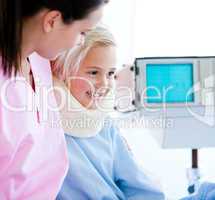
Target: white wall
<point x="162" y="28"/>
<point x="119" y="18"/>
<point x="174" y="27"/>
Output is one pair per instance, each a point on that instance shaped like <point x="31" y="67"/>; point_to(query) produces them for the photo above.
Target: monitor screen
<point x="169" y="83"/>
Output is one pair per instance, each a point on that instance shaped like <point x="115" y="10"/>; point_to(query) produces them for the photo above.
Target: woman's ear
<point x="51" y="20"/>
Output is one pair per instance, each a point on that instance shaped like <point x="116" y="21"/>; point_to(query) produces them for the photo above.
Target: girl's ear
<point x="54" y="67"/>
<point x="52" y="62"/>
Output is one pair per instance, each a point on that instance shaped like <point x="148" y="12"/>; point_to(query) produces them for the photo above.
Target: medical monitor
<point x="172" y="80"/>
<point x="169" y="82"/>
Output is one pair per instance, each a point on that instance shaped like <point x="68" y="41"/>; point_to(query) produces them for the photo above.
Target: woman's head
<point x="57" y="36"/>
<point x="46" y="26"/>
<point x="89" y="69"/>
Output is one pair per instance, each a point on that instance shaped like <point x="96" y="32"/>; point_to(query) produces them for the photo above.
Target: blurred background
<point x="164" y="28"/>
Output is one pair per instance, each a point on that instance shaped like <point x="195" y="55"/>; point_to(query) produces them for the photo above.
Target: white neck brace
<point x="78" y="121"/>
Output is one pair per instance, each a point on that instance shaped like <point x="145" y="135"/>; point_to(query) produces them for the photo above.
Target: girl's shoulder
<point x="115" y="134"/>
<point x="111" y="127"/>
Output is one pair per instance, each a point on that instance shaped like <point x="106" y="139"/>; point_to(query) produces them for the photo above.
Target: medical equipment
<point x="179" y="91"/>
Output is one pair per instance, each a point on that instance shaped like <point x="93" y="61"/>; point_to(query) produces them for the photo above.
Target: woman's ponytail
<point x="10" y="35"/>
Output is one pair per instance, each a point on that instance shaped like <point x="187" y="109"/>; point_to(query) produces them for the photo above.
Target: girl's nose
<point x="103" y="84"/>
<point x="104" y="81"/>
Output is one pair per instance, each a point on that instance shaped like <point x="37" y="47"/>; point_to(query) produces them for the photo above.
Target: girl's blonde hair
<point x="70" y="60"/>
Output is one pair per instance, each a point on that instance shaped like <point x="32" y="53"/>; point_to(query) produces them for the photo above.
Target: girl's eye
<point x="83" y="34"/>
<point x="111" y="73"/>
<point x="93" y="73"/>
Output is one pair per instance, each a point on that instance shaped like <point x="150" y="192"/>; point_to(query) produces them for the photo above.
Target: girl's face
<point x="95" y="76"/>
<point x="59" y="36"/>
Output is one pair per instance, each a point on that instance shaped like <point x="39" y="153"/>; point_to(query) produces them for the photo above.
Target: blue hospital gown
<point x="103" y="168"/>
<point x="206" y="192"/>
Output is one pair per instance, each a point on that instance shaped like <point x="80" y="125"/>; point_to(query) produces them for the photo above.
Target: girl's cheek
<point x="81" y="85"/>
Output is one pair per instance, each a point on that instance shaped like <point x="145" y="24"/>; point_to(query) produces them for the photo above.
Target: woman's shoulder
<point x="3" y="76"/>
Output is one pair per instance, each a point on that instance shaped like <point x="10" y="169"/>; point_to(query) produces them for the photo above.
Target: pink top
<point x="33" y="158"/>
